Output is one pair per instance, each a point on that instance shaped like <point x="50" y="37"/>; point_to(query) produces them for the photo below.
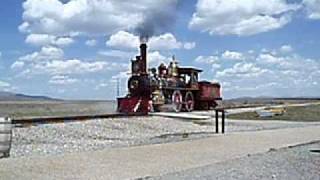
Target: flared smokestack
<point x="143" y="58"/>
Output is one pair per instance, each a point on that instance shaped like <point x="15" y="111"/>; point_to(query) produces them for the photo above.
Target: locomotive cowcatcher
<point x="173" y="86"/>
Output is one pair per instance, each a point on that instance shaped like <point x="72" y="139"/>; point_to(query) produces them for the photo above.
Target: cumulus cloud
<point x="241" y="17"/>
<point x="244" y="70"/>
<point x="232" y="55"/>
<point x="88" y="17"/>
<point x="46" y="53"/>
<point x="167" y="41"/>
<point x="62" y="80"/>
<point x="63" y="41"/>
<point x="286" y="49"/>
<point x="17" y="65"/>
<point x="4" y="84"/>
<point x="270" y="59"/>
<point x="207" y="59"/>
<point x="73" y="66"/>
<point x="312" y="8"/>
<point x="91" y="42"/>
<point x="264" y="73"/>
<point x="120" y="75"/>
<point x="45" y="40"/>
<point x="155" y="58"/>
<point x="51" y="61"/>
<point x="213" y="61"/>
<point x="123" y="39"/>
<point x="189" y="45"/>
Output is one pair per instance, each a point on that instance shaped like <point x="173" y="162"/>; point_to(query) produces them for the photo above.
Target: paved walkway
<point x="154" y="160"/>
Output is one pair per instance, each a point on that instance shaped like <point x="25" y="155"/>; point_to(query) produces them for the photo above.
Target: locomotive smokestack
<point x="143" y="53"/>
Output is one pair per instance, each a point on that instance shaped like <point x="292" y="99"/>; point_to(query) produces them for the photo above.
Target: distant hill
<point x="9" y="96"/>
<point x="266" y="98"/>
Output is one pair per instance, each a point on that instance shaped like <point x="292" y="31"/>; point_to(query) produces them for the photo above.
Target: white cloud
<point x="45" y="54"/>
<point x="124" y="40"/>
<point x="232" y="55"/>
<point x="4" y="84"/>
<point x="102" y="85"/>
<point x="269" y="58"/>
<point x="0" y="54"/>
<point x="63" y="41"/>
<point x="207" y="59"/>
<point x="189" y="45"/>
<point x="39" y="39"/>
<point x="213" y="61"/>
<point x="167" y="41"/>
<point x="265" y="73"/>
<point x="215" y="66"/>
<point x="51" y="61"/>
<point x="313" y="8"/>
<point x="75" y="17"/>
<point x="241" y="17"/>
<point x="17" y="65"/>
<point x="246" y="70"/>
<point x="73" y="66"/>
<point x="62" y="80"/>
<point x="91" y="42"/>
<point x="118" y="54"/>
<point x="286" y="49"/>
<point x="155" y="58"/>
<point x="121" y="75"/>
<point x="45" y="40"/>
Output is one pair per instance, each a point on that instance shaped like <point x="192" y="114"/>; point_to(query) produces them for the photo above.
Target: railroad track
<point x="22" y="122"/>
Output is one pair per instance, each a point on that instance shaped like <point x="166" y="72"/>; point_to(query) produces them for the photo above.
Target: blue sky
<point x="76" y="49"/>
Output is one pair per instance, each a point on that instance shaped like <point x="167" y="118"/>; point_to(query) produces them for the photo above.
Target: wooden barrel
<point x="5" y="136"/>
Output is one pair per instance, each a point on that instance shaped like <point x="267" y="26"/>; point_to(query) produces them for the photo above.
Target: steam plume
<point x="158" y="20"/>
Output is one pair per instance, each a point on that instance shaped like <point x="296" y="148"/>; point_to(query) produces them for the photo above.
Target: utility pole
<point x="118" y="87"/>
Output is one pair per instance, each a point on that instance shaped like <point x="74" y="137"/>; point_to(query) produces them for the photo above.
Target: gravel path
<point x="52" y="139"/>
<point x="287" y="163"/>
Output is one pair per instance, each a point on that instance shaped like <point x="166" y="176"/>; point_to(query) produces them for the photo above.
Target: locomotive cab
<point x="190" y="76"/>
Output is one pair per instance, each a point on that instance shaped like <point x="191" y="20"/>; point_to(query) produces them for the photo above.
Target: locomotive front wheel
<point x="177" y="101"/>
<point x="189" y="101"/>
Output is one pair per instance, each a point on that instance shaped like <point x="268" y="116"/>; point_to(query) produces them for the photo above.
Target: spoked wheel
<point x="189" y="101"/>
<point x="177" y="101"/>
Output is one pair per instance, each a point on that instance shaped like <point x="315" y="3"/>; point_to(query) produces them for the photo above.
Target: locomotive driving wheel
<point x="189" y="101"/>
<point x="177" y="101"/>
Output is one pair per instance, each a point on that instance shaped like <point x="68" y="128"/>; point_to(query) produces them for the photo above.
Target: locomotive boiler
<point x="171" y="85"/>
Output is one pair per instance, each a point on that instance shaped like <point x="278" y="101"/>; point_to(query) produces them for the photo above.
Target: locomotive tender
<point x="176" y="86"/>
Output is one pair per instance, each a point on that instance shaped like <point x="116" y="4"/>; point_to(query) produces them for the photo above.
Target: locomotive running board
<point x="180" y="115"/>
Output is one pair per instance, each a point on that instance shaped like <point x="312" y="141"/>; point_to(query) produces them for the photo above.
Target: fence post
<point x="217" y="121"/>
<point x="223" y="117"/>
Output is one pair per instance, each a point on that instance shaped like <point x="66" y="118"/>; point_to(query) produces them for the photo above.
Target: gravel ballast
<point x="53" y="139"/>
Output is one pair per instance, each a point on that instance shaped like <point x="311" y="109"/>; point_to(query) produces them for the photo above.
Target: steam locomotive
<point x="173" y="86"/>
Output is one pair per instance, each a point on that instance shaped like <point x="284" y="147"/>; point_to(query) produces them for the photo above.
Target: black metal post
<point x="223" y="117"/>
<point x="217" y="121"/>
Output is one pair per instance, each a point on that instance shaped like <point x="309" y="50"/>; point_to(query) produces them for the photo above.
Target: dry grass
<point x="306" y="113"/>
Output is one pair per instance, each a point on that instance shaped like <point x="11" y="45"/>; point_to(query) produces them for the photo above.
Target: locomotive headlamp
<point x="134" y="84"/>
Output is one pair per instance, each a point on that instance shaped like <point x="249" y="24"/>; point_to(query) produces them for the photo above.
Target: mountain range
<point x="9" y="96"/>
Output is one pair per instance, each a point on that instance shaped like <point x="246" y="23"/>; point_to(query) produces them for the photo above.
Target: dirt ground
<point x="20" y="109"/>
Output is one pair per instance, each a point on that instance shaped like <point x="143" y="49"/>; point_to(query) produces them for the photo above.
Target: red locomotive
<point x="172" y="85"/>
